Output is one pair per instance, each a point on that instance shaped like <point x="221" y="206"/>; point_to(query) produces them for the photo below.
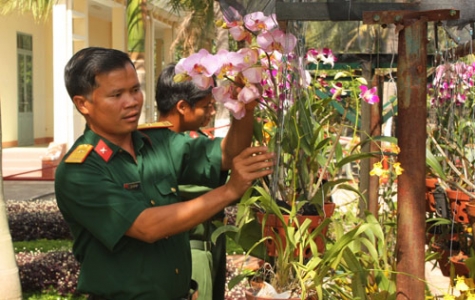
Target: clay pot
<point x="430" y="200"/>
<point x="443" y="260"/>
<point x="458" y="205"/>
<point x="458" y="261"/>
<point x="273" y="227"/>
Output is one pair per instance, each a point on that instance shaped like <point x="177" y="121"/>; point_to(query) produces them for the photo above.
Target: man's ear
<point x="182" y="106"/>
<point x="81" y="104"/>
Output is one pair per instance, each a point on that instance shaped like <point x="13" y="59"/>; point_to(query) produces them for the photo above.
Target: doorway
<point x="25" y="90"/>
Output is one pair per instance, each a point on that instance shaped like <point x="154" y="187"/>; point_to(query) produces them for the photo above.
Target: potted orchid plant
<point x="295" y="119"/>
<point x="450" y="154"/>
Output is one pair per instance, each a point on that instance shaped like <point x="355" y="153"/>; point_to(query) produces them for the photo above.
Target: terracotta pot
<point x="273" y="227"/>
<point x="458" y="261"/>
<point x="458" y="205"/>
<point x="470" y="207"/>
<point x="443" y="260"/>
<point x="430" y="200"/>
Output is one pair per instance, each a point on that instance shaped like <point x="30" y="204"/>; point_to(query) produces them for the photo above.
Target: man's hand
<point x="252" y="163"/>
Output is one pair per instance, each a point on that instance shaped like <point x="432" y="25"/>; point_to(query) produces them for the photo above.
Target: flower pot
<point x="430" y="188"/>
<point x="458" y="261"/>
<point x="458" y="205"/>
<point x="273" y="228"/>
<point x="470" y="207"/>
<point x="443" y="260"/>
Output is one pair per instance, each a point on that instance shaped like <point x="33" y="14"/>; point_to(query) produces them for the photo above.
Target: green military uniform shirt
<point x="101" y="194"/>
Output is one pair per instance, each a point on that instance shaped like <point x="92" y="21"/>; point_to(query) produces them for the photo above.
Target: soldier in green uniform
<point x="117" y="187"/>
<point x="189" y="108"/>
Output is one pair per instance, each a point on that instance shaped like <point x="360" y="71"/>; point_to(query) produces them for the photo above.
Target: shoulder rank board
<point x="79" y="154"/>
<point x="164" y="124"/>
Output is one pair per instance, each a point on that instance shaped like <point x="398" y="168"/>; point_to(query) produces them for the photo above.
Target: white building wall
<point x="42" y="89"/>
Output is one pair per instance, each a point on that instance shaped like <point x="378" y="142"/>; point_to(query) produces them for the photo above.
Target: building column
<point x="62" y="52"/>
<point x="148" y="110"/>
<point x="119" y="28"/>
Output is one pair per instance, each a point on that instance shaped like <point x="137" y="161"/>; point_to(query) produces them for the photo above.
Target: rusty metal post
<point x="411" y="134"/>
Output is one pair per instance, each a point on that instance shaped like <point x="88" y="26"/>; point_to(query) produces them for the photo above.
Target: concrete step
<point x="24" y="162"/>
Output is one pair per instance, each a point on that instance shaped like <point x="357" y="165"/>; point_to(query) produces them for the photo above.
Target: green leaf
<point x="434" y="164"/>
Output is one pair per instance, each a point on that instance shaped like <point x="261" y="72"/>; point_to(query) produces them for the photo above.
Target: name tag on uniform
<point x="132" y="185"/>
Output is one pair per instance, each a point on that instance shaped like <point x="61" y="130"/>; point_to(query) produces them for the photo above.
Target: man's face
<point x="200" y="115"/>
<point x="114" y="107"/>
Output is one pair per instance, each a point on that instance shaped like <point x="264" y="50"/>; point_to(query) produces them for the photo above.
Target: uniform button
<point x="152" y="202"/>
<point x="173" y="189"/>
<point x="177" y="271"/>
<point x="120" y="150"/>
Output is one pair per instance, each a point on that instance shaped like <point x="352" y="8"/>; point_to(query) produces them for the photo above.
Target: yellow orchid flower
<point x="460" y="284"/>
<point x="449" y="297"/>
<point x="377" y="169"/>
<point x="470" y="296"/>
<point x="268" y="128"/>
<point x="397" y="168"/>
<point x="395" y="149"/>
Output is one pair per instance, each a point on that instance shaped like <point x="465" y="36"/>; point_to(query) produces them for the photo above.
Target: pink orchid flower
<point x="257" y="21"/>
<point x="276" y="40"/>
<point x="369" y="95"/>
<point x="200" y="67"/>
<point x="250" y="56"/>
<point x="316" y="56"/>
<point x="239" y="33"/>
<point x="223" y="93"/>
<point x="248" y="93"/>
<point x="337" y="91"/>
<point x="231" y="63"/>
<point x="253" y="74"/>
<point x="236" y="108"/>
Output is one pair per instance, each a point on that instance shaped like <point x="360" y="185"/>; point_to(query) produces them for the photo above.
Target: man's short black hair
<point x="81" y="70"/>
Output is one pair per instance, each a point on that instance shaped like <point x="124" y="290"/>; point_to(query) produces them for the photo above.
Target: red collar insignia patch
<point x="103" y="150"/>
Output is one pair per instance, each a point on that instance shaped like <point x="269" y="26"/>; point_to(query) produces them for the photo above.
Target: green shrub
<point x="36" y="219"/>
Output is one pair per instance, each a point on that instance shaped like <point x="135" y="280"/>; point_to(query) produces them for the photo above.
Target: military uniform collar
<point x="107" y="150"/>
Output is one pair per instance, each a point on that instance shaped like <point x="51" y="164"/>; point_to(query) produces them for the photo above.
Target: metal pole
<point x="411" y="134"/>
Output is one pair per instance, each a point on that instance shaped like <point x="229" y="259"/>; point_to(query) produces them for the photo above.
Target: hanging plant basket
<point x="273" y="227"/>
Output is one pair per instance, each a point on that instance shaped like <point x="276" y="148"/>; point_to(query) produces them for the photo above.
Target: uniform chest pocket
<point x="166" y="188"/>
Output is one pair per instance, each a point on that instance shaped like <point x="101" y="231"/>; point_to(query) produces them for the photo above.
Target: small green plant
<point x="42" y="245"/>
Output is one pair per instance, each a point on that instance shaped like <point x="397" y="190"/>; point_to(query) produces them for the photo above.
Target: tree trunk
<point x="10" y="286"/>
